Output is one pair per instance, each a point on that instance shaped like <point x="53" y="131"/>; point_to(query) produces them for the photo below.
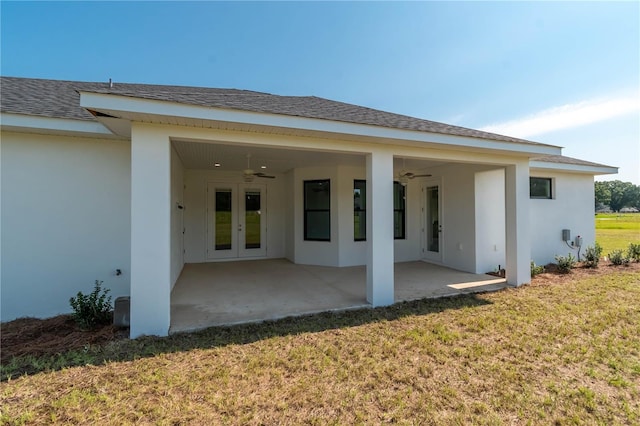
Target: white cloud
<point x="566" y="116"/>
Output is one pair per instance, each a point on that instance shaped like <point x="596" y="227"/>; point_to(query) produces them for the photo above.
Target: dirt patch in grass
<point x="37" y="337"/>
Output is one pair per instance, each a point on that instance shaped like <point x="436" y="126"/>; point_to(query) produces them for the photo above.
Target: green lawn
<point x="542" y="354"/>
<point x="616" y="231"/>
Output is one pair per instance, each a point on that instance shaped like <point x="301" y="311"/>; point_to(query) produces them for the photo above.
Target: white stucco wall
<point x="572" y="208"/>
<point x="490" y="220"/>
<point x="324" y="253"/>
<point x="177" y="199"/>
<point x="195" y="213"/>
<point x="458" y="216"/>
<point x="65" y="220"/>
<point x="350" y="252"/>
<point x="289" y="223"/>
<point x="410" y="248"/>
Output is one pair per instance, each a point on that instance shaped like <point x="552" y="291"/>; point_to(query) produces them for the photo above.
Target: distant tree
<point x="603" y="194"/>
<point x="617" y="194"/>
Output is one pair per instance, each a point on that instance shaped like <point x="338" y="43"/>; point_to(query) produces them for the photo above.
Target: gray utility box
<point x="121" y="309"/>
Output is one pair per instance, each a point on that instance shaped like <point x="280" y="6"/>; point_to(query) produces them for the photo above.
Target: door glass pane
<point x="223" y="219"/>
<point x="433" y="223"/>
<point x="252" y="219"/>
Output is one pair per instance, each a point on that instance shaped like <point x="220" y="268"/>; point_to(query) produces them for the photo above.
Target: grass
<point x="614" y="231"/>
<point x="547" y="353"/>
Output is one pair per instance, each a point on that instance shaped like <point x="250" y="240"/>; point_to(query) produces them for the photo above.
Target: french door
<point x="236" y="220"/>
<point x="432" y="219"/>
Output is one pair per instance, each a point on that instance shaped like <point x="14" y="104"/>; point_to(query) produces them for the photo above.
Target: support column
<point x="380" y="285"/>
<point x="518" y="227"/>
<point x="150" y="232"/>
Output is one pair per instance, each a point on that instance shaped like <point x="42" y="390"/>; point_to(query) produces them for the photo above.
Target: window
<point x="540" y="188"/>
<point x="359" y="210"/>
<point x="317" y="210"/>
<point x="399" y="203"/>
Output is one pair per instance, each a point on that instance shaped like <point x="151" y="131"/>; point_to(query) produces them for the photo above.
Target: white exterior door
<point x="432" y="220"/>
<point x="236" y="220"/>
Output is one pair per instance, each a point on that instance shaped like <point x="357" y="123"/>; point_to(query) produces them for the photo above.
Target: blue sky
<point x="566" y="74"/>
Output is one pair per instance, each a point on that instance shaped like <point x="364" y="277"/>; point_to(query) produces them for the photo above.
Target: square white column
<point x="518" y="237"/>
<point x="150" y="232"/>
<point x="380" y="285"/>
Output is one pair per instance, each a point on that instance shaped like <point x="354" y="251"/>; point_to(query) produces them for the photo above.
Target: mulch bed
<point x="552" y="276"/>
<point x="33" y="336"/>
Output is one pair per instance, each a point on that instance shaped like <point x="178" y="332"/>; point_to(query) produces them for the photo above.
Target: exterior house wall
<point x="490" y="220"/>
<point x="571" y="207"/>
<point x="458" y="216"/>
<point x="351" y="252"/>
<point x="289" y="223"/>
<point x="409" y="248"/>
<point x="177" y="199"/>
<point x="323" y="253"/>
<point x="65" y="220"/>
<point x="195" y="212"/>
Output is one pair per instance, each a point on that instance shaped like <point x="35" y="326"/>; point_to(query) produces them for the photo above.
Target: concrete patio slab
<point x="224" y="293"/>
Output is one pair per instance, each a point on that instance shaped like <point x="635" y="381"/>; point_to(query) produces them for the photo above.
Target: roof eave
<point x="24" y="123"/>
<point x="573" y="168"/>
<point x="126" y="107"/>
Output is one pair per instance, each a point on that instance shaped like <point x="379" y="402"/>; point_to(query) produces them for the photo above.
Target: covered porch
<point x="223" y="293"/>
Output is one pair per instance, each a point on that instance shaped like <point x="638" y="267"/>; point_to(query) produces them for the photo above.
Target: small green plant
<point x="92" y="310"/>
<point x="535" y="269"/>
<point x="618" y="258"/>
<point x="565" y="263"/>
<point x="633" y="252"/>
<point x="592" y="255"/>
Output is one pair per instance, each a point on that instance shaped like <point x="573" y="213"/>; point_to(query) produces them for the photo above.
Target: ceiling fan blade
<point x="262" y="175"/>
<point x="415" y="176"/>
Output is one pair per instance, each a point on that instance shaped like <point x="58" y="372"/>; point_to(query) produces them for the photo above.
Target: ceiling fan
<point x="249" y="173"/>
<point x="405" y="176"/>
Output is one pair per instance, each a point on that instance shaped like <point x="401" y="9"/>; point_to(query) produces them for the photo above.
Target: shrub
<point x="92" y="310"/>
<point x="618" y="258"/>
<point x="592" y="255"/>
<point x="535" y="269"/>
<point x="566" y="264"/>
<point x="633" y="252"/>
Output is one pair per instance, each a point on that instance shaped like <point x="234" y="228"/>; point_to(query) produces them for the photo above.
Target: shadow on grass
<point x="214" y="337"/>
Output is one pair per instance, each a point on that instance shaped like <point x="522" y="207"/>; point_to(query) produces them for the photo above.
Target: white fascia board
<point x="573" y="168"/>
<point x="37" y="124"/>
<point x="120" y="105"/>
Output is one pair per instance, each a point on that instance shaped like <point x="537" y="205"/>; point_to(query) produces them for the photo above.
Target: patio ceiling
<point x="203" y="156"/>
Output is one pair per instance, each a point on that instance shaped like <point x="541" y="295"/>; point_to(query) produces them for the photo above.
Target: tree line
<point x="616" y="195"/>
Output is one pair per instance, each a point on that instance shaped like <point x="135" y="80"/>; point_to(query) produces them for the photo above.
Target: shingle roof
<point x="60" y="99"/>
<point x="561" y="159"/>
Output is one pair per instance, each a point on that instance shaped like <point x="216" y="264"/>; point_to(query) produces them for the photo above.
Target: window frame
<point x="307" y="210"/>
<point x="403" y="236"/>
<point x="361" y="210"/>
<point x="539" y="197"/>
